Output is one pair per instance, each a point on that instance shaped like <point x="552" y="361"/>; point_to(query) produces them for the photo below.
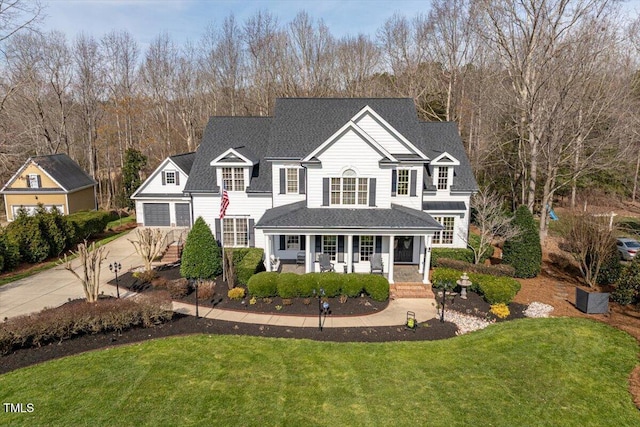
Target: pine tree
<point x="524" y="252"/>
<point x="201" y="257"/>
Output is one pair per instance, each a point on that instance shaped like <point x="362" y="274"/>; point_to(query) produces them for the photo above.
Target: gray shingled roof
<point x="300" y="125"/>
<point x="297" y="215"/>
<point x="444" y="206"/>
<point x="62" y="169"/>
<point x="184" y="161"/>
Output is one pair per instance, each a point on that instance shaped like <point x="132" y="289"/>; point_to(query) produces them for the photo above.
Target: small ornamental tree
<point x="201" y="257"/>
<point x="524" y="252"/>
<point x="150" y="244"/>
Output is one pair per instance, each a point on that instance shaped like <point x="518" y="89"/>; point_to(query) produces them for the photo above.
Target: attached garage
<point x="156" y="214"/>
<point x="183" y="214"/>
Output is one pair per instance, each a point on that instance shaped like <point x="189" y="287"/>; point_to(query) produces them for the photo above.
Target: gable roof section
<point x="249" y="134"/>
<point x="443" y="137"/>
<point x="297" y="216"/>
<point x="184" y="161"/>
<point x="60" y="168"/>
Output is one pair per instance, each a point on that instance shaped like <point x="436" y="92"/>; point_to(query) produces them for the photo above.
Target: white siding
<point x="461" y="226"/>
<point x="375" y="130"/>
<point x="413" y="202"/>
<point x="153" y="184"/>
<point x="283" y="199"/>
<point x="350" y="151"/>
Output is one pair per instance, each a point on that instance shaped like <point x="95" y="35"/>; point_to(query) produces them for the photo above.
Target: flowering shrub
<point x="236" y="293"/>
<point x="500" y="310"/>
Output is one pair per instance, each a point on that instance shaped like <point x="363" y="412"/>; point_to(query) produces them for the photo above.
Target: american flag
<point x="224" y="202"/>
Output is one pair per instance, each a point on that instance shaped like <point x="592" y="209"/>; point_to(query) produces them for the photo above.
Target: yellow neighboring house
<point x="53" y="180"/>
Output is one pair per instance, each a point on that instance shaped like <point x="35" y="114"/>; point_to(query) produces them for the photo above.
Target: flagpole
<point x="222" y="244"/>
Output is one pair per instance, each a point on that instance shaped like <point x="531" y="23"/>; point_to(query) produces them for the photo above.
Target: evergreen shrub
<point x="264" y="284"/>
<point x="524" y="252"/>
<point x="201" y="256"/>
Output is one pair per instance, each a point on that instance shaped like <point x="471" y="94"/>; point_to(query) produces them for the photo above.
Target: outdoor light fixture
<point x="323" y="307"/>
<point x="196" y="286"/>
<point x="115" y="267"/>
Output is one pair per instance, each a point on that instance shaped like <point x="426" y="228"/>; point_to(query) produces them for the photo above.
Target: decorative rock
<point x="538" y="309"/>
<point x="464" y="322"/>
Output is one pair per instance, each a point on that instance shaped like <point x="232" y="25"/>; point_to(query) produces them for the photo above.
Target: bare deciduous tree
<point x="150" y="244"/>
<point x="90" y="261"/>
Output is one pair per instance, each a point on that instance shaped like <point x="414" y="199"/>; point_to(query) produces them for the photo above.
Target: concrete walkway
<point x="56" y="286"/>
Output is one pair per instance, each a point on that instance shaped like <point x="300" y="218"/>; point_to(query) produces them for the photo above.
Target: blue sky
<point x="187" y="19"/>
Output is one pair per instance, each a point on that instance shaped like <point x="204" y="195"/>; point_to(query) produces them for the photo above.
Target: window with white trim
<point x="33" y="180"/>
<point x="366" y="248"/>
<point x="293" y="242"/>
<point x="349" y="189"/>
<point x="233" y="179"/>
<point x="330" y="246"/>
<point x="235" y="232"/>
<point x="170" y="177"/>
<point x="292" y="180"/>
<point x="443" y="178"/>
<point x="403" y="182"/>
<point x="444" y="237"/>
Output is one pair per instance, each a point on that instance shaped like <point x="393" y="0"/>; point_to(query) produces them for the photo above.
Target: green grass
<point x="548" y="372"/>
<point x="120" y="221"/>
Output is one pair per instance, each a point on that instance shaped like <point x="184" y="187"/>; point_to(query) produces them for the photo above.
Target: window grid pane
<point x="228" y="232"/>
<point x="241" y="232"/>
<point x="335" y="191"/>
<point x="329" y="246"/>
<point x="443" y="178"/>
<point x="292" y="180"/>
<point x="238" y="179"/>
<point x="363" y="191"/>
<point x="348" y="191"/>
<point x="444" y="237"/>
<point x="403" y="182"/>
<point x="170" y="177"/>
<point x="366" y="247"/>
<point x="293" y="242"/>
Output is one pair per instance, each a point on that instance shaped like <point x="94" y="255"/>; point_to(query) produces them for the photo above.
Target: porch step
<point x="410" y="290"/>
<point x="172" y="254"/>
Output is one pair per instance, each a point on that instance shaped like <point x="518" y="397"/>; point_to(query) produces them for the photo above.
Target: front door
<point x="403" y="249"/>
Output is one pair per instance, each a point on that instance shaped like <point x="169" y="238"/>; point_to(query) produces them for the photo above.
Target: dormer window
<point x="443" y="178"/>
<point x="170" y="178"/>
<point x="233" y="179"/>
<point x="403" y="182"/>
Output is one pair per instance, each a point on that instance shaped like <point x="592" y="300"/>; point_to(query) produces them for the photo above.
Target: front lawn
<point x="558" y="372"/>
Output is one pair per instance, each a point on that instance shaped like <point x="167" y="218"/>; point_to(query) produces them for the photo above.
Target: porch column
<point x="267" y="251"/>
<point x="307" y="255"/>
<point x="349" y="253"/>
<point x="421" y="256"/>
<point x="427" y="259"/>
<point x="391" y="259"/>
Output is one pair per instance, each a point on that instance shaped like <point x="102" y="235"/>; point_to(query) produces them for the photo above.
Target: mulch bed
<point x="184" y="325"/>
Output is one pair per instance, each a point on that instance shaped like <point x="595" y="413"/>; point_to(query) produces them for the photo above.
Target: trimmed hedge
<point x="57" y="324"/>
<point x="524" y="252"/>
<point x="291" y="285"/>
<point x="460" y="254"/>
<point x="495" y="289"/>
<point x="247" y="262"/>
<point x="497" y="270"/>
<point x="88" y="223"/>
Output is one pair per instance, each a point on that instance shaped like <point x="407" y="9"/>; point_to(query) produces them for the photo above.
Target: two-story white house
<point x="344" y="177"/>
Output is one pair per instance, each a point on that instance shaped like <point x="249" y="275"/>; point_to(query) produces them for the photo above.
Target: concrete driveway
<point x="54" y="287"/>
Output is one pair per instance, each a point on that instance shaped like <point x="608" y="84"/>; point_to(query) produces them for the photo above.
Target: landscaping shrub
<point x="610" y="269"/>
<point x="78" y="318"/>
<point x="58" y="231"/>
<point x="29" y="233"/>
<point x="206" y="289"/>
<point x="460" y="254"/>
<point x="352" y="285"/>
<point x="474" y="242"/>
<point x="628" y="287"/>
<point x="247" y="262"/>
<point x="288" y="285"/>
<point x="331" y="283"/>
<point x="178" y="288"/>
<point x="201" y="257"/>
<point x="524" y="252"/>
<point x="9" y="253"/>
<point x="376" y="286"/>
<point x="236" y="293"/>
<point x="308" y="283"/>
<point x="497" y="270"/>
<point x="264" y="284"/>
<point x="87" y="223"/>
<point x="495" y="289"/>
<point x="500" y="310"/>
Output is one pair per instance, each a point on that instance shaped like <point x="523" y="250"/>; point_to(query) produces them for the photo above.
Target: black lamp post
<point x="323" y="307"/>
<point x="197" y="314"/>
<point x="115" y="267"/>
<point x="445" y="286"/>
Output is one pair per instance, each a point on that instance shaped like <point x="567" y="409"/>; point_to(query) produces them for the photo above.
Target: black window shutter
<point x="356" y="246"/>
<point x="164" y="178"/>
<point x="302" y="181"/>
<point x="303" y="242"/>
<point x="414" y="181"/>
<point x="28" y="181"/>
<point x="177" y="178"/>
<point x="394" y="182"/>
<point x="39" y="181"/>
<point x="318" y="243"/>
<point x="283" y="181"/>
<point x="325" y="191"/>
<point x="218" y="231"/>
<point x="283" y="243"/>
<point x="252" y="234"/>
<point x="340" y="248"/>
<point x="378" y="244"/>
<point x="372" y="192"/>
